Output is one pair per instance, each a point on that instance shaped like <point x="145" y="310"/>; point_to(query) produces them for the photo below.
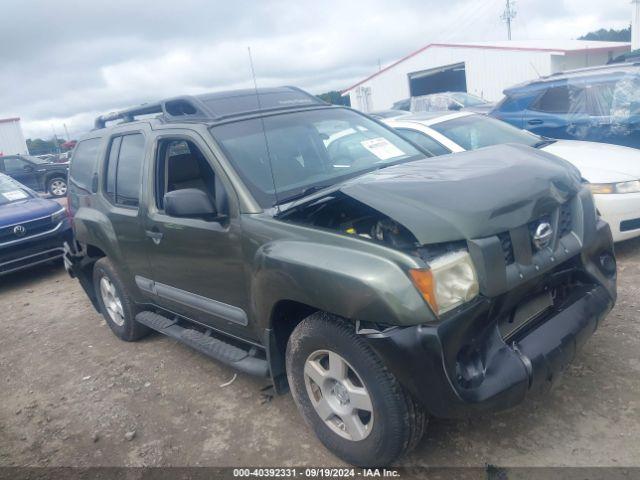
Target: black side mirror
<point x="189" y="202"/>
<point x="28" y="168"/>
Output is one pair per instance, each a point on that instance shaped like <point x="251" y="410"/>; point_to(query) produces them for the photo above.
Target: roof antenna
<point x="264" y="130"/>
<point x="535" y="69"/>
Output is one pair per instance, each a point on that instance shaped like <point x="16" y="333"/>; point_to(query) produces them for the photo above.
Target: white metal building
<point x="12" y="140"/>
<point x="484" y="69"/>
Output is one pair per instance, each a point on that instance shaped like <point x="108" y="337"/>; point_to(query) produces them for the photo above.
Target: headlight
<point x="59" y="215"/>
<point x="450" y="282"/>
<point x="623" y="187"/>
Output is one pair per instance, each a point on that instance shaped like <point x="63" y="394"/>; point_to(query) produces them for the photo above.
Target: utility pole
<point x="510" y="13"/>
<point x="55" y="140"/>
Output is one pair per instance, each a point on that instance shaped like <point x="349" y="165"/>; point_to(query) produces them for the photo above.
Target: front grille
<point x="565" y="220"/>
<point x="565" y="226"/>
<point x="32" y="227"/>
<point x="507" y="247"/>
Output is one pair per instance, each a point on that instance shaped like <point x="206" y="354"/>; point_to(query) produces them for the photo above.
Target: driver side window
<point x="180" y="165"/>
<point x="14" y="165"/>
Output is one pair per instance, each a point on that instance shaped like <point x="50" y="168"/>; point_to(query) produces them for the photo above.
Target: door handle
<point x="155" y="236"/>
<point x="535" y="122"/>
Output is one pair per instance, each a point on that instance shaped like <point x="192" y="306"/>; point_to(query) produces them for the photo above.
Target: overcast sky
<point x="67" y="61"/>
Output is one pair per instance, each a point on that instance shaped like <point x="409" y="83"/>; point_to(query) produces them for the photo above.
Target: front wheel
<point x="57" y="187"/>
<point x="356" y="407"/>
<point x="116" y="305"/>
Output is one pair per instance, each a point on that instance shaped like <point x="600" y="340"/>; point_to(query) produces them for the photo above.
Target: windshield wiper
<point x="302" y="194"/>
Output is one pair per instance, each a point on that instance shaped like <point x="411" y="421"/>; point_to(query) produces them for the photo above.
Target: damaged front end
<point x="537" y="277"/>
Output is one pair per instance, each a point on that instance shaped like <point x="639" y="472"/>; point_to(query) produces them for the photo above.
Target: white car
<point x="613" y="171"/>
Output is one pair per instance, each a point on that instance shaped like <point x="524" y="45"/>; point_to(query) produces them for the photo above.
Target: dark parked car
<point x="600" y="104"/>
<point x="32" y="229"/>
<point x="312" y="245"/>
<point x="36" y="173"/>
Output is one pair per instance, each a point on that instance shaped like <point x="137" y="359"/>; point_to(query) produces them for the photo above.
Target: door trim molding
<point x="193" y="300"/>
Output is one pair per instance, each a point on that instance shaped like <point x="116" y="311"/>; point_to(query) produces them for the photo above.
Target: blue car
<point x="599" y="104"/>
<point x="32" y="229"/>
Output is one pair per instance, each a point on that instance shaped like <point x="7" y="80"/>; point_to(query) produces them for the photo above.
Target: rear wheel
<point x="57" y="187"/>
<point x="115" y="304"/>
<point x="356" y="406"/>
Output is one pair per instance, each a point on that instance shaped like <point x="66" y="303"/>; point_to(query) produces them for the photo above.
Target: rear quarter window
<point x="83" y="162"/>
<point x="124" y="169"/>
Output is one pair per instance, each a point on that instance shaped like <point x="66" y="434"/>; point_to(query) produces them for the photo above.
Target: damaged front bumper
<point x="471" y="363"/>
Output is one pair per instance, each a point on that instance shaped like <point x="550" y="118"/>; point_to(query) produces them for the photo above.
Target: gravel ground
<point x="71" y="394"/>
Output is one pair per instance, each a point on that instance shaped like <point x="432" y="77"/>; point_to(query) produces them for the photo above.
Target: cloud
<point x="65" y="62"/>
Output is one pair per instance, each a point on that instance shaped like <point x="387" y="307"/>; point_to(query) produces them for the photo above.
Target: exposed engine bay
<point x="343" y="214"/>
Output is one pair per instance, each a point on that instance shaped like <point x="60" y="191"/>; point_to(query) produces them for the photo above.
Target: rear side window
<point x="424" y="141"/>
<point x="554" y="100"/>
<point x="124" y="169"/>
<point x="83" y="162"/>
<point x="14" y="166"/>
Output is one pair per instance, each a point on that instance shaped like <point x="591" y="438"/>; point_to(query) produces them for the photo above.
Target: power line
<point x="469" y="17"/>
<point x="508" y="15"/>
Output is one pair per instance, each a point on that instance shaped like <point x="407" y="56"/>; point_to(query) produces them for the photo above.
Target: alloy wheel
<point x="338" y="395"/>
<point x="58" y="188"/>
<point x="111" y="301"/>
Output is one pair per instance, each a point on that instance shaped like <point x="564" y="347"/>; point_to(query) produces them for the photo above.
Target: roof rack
<point x="608" y="66"/>
<point x="128" y="114"/>
<point x="218" y="106"/>
<point x="579" y="72"/>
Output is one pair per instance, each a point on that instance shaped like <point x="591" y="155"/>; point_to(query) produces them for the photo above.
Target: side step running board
<point x="210" y="346"/>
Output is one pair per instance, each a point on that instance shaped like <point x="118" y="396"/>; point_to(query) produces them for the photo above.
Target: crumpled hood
<point x="468" y="195"/>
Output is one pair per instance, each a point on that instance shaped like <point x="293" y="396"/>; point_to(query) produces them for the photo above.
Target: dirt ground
<point x="71" y="394"/>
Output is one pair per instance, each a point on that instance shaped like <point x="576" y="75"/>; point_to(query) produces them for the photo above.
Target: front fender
<point x="353" y="284"/>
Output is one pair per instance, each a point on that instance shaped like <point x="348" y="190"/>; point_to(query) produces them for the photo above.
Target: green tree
<point x="611" y="35"/>
<point x="335" y="98"/>
<point x="38" y="146"/>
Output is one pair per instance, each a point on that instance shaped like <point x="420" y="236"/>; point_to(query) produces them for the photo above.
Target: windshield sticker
<point x="382" y="148"/>
<point x="14" y="195"/>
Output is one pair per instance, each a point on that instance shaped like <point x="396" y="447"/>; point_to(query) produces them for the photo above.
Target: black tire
<point x="398" y="421"/>
<point x="53" y="187"/>
<point x="130" y="330"/>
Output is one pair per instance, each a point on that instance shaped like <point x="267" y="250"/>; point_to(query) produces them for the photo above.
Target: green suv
<point x="312" y="245"/>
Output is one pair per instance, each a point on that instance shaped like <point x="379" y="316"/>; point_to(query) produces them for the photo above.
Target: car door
<point x="512" y="109"/>
<point x="197" y="263"/>
<point x="122" y="183"/>
<point x="22" y="171"/>
<point x="555" y="113"/>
